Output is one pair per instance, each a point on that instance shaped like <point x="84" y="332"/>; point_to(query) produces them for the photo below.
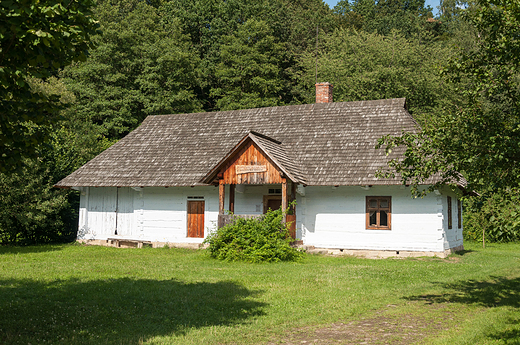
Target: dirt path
<point x="391" y="326"/>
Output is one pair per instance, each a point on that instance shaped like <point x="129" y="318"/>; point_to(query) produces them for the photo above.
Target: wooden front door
<point x="196" y="219"/>
<point x="273" y="202"/>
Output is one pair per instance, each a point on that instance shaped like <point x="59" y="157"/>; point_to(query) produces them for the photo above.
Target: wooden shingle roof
<point x="323" y="144"/>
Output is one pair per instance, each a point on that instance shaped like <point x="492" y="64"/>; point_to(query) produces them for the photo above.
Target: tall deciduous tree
<point x="383" y="16"/>
<point x="31" y="210"/>
<point x="250" y="70"/>
<point x="211" y="23"/>
<point x="142" y="66"/>
<point x="37" y="38"/>
<point x="366" y="66"/>
<point x="480" y="137"/>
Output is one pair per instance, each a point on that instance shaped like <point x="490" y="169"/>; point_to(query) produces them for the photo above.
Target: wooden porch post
<point x="293" y="196"/>
<point x="221" y="196"/>
<point x="232" y="198"/>
<point x="284" y="198"/>
<point x="291" y="217"/>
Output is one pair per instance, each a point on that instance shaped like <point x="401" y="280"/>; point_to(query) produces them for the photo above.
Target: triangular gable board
<point x="250" y="165"/>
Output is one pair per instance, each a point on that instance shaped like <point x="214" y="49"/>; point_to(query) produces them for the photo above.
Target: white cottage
<point x="175" y="178"/>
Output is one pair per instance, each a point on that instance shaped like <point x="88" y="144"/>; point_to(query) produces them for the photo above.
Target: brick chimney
<point x="324" y="93"/>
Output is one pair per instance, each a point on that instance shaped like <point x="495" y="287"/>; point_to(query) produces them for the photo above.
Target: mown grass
<point x="75" y="294"/>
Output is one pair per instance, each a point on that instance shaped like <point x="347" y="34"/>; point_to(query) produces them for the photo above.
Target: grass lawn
<point x="76" y="294"/>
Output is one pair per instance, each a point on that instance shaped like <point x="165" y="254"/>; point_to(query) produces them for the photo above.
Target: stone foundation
<point x="127" y="243"/>
<point x="381" y="254"/>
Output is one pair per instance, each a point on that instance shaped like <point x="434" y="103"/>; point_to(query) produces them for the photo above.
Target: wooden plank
<point x="291" y="221"/>
<point x="221" y="196"/>
<point x="232" y="198"/>
<point x="102" y="210"/>
<point x="450" y="218"/>
<point x="190" y="219"/>
<point x="246" y="169"/>
<point x="459" y="214"/>
<point x="200" y="219"/>
<point x="291" y="217"/>
<point x="125" y="211"/>
<point x="196" y="219"/>
<point x="284" y="198"/>
<point x="250" y="166"/>
<point x="293" y="197"/>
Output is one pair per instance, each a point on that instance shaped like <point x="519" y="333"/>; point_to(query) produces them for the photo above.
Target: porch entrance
<point x="256" y="160"/>
<point x="273" y="202"/>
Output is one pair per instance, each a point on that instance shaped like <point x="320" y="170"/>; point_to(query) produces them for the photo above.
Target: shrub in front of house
<point x="262" y="239"/>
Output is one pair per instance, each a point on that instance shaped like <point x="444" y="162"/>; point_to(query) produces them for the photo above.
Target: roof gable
<point x="256" y="150"/>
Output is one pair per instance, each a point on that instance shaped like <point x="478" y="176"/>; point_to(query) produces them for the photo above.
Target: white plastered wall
<point x="331" y="217"/>
<point x="149" y="214"/>
<point x="452" y="237"/>
<point x="327" y="217"/>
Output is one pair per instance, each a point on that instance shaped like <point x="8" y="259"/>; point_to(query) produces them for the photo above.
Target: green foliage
<point x="249" y="72"/>
<point x="409" y="17"/>
<point x="37" y="38"/>
<point x="480" y="136"/>
<point x="31" y="210"/>
<point x="253" y="240"/>
<point x="496" y="215"/>
<point x="143" y="65"/>
<point x="452" y="9"/>
<point x="218" y="31"/>
<point x="367" y="66"/>
<point x="303" y="16"/>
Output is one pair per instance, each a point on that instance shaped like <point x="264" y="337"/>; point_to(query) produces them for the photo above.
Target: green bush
<point x="262" y="239"/>
<point x="32" y="211"/>
<point x="497" y="214"/>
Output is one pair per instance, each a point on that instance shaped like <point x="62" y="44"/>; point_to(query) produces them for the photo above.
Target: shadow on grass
<point x="122" y="311"/>
<point x="7" y="249"/>
<point x="495" y="292"/>
<point x="464" y="252"/>
<point x="510" y="337"/>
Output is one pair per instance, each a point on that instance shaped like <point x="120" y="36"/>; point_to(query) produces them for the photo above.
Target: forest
<point x="77" y="76"/>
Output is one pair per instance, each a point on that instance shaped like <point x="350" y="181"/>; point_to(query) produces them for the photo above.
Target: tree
<point x="37" y="38"/>
<point x="207" y="23"/>
<point x="384" y="16"/>
<point x="479" y="137"/>
<point x="367" y="66"/>
<point x="211" y="23"/>
<point x="31" y="210"/>
<point x="142" y="66"/>
<point x="250" y="70"/>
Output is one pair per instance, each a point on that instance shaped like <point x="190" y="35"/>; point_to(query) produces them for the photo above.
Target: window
<point x="450" y="218"/>
<point x="378" y="212"/>
<point x="459" y="214"/>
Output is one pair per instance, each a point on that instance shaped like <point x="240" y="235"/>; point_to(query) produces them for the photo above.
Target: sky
<point x="432" y="3"/>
